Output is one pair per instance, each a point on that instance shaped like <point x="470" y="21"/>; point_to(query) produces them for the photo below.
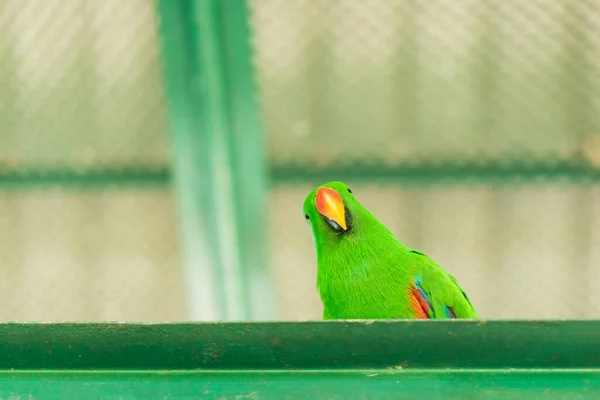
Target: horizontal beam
<point x="292" y="174"/>
<point x="89" y="178"/>
<point x="290" y="384"/>
<point x="453" y="172"/>
<point x="318" y="345"/>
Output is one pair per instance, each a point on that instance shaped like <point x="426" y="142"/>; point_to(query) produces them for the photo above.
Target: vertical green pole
<point x="249" y="159"/>
<point x="218" y="164"/>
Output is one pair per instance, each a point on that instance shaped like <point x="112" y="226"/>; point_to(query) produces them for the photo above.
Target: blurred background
<point x="155" y="155"/>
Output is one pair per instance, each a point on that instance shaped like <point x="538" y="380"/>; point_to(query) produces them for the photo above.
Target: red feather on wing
<point x="419" y="303"/>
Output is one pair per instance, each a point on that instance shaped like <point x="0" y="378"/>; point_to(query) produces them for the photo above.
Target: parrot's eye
<point x="349" y="191"/>
<point x="307" y="216"/>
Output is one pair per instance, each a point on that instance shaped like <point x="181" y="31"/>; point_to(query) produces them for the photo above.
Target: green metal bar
<point x="306" y="385"/>
<point x="453" y="172"/>
<point x="89" y="178"/>
<point x="302" y="360"/>
<point x="218" y="166"/>
<point x="192" y="184"/>
<point x="318" y="345"/>
<point x="249" y="159"/>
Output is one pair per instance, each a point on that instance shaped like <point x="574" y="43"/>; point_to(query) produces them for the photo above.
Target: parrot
<point x="365" y="272"/>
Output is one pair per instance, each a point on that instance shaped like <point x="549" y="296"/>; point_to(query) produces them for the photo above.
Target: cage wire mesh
<point x="81" y="90"/>
<point x="344" y="83"/>
<point x="500" y="83"/>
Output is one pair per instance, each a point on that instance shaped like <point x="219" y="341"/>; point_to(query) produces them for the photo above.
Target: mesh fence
<point x="454" y="87"/>
<point x="81" y="85"/>
<point x="81" y="90"/>
<point x="362" y="89"/>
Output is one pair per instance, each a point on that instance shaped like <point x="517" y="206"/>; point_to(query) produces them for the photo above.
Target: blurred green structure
<point x="130" y="134"/>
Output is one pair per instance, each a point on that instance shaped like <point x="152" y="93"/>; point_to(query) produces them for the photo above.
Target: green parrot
<point x="364" y="272"/>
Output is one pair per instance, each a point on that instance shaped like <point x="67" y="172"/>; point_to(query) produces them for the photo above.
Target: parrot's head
<point x="329" y="208"/>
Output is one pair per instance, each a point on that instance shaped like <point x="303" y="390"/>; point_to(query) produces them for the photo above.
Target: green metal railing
<point x="311" y="360"/>
<point x="505" y="172"/>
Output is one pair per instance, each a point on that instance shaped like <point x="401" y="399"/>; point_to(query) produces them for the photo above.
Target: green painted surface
<point x="507" y="172"/>
<point x="302" y="360"/>
<point x="514" y="172"/>
<point x="86" y="179"/>
<point x="303" y="345"/>
<point x="189" y="141"/>
<point x="249" y="163"/>
<point x="218" y="166"/>
<point x="254" y="385"/>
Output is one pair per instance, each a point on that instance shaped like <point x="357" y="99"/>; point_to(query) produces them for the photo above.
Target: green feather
<point x="366" y="273"/>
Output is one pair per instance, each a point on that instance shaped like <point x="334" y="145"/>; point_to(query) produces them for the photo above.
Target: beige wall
<point x="110" y="255"/>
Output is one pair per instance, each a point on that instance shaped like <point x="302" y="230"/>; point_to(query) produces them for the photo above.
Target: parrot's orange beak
<point x="330" y="204"/>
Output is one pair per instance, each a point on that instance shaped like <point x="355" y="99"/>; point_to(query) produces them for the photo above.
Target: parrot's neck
<point x="355" y="253"/>
<point x="359" y="266"/>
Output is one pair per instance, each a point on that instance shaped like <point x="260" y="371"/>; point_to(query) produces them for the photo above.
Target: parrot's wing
<point x="437" y="294"/>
